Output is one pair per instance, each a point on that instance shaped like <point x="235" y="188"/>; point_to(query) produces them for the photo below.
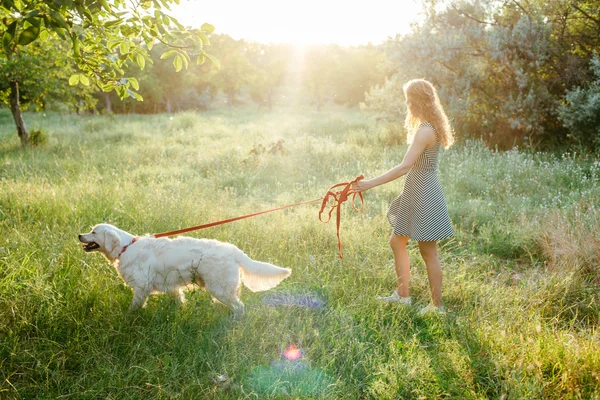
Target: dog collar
<point x="125" y="247"/>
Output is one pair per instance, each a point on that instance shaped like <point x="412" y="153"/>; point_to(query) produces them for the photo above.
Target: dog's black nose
<point x="80" y="235"/>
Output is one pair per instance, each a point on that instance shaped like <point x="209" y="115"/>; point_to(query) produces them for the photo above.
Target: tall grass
<point x="521" y="275"/>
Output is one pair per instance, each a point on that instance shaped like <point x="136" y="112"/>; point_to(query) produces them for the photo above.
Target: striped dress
<point x="420" y="211"/>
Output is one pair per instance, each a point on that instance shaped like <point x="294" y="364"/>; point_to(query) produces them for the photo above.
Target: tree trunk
<point x="169" y="105"/>
<point x="16" y="112"/>
<point x="318" y="100"/>
<point x="107" y="102"/>
<point x="229" y="98"/>
<point x="270" y="99"/>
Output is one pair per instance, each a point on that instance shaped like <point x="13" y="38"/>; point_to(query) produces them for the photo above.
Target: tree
<point x="320" y="64"/>
<point x="41" y="70"/>
<point x="235" y="68"/>
<point x="581" y="111"/>
<point x="358" y="71"/>
<point x="271" y="64"/>
<point x="503" y="68"/>
<point x="104" y="35"/>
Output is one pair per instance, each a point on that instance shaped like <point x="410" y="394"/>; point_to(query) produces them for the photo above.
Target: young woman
<point x="420" y="212"/>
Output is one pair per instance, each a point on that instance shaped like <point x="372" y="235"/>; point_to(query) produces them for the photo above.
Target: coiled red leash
<point x="333" y="198"/>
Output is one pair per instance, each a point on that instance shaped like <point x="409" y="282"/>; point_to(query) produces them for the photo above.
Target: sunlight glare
<point x="292" y="353"/>
<point x="307" y="22"/>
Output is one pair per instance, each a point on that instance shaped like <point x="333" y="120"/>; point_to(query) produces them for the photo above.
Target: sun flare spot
<point x="292" y="352"/>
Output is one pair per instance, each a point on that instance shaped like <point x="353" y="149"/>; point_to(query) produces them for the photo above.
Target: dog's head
<point x="104" y="238"/>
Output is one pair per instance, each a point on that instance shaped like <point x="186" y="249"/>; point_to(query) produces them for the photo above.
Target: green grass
<point x="520" y="277"/>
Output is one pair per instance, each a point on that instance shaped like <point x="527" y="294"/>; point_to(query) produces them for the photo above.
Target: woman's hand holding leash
<point x="361" y="186"/>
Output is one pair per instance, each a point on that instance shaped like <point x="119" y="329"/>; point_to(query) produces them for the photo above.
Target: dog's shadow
<point x="198" y="310"/>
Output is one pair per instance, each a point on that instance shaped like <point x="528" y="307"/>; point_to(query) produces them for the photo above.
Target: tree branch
<point x="463" y="13"/>
<point x="596" y="20"/>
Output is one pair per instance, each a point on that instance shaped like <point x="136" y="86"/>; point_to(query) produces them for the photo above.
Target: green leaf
<point x="168" y="54"/>
<point x="87" y="14"/>
<point x="135" y="95"/>
<point x="134" y="83"/>
<point x="185" y="60"/>
<point x="44" y="35"/>
<point x="12" y="28"/>
<point x="124" y="47"/>
<point x="141" y="61"/>
<point x="29" y="35"/>
<point x="32" y="14"/>
<point x="84" y="79"/>
<point x="9" y="35"/>
<point x="203" y="37"/>
<point x="35" y="21"/>
<point x="177" y="63"/>
<point x="181" y="27"/>
<point x="208" y="28"/>
<point x="74" y="79"/>
<point x="58" y="19"/>
<point x="111" y="23"/>
<point x="111" y="44"/>
<point x="213" y="60"/>
<point x="201" y="59"/>
<point x="121" y="91"/>
<point x="75" y="46"/>
<point x="108" y="87"/>
<point x="61" y="32"/>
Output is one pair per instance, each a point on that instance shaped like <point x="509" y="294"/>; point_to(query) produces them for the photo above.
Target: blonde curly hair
<point x="423" y="105"/>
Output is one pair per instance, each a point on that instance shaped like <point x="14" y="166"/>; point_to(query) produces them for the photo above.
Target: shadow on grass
<point x="479" y="380"/>
<point x="94" y="348"/>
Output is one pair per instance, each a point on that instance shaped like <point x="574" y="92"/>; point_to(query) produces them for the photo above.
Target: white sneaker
<point x="432" y="309"/>
<point x="395" y="298"/>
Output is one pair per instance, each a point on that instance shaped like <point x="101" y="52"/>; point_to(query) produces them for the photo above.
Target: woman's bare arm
<point x="424" y="138"/>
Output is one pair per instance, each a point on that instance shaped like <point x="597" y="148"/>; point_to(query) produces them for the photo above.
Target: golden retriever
<point x="150" y="265"/>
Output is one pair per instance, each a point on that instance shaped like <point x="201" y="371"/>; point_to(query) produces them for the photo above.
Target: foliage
<point x="265" y="74"/>
<point x="271" y="64"/>
<point x="104" y="35"/>
<point x="359" y="69"/>
<point x="502" y="68"/>
<point x="38" y="137"/>
<point x="236" y="69"/>
<point x="581" y="111"/>
<point x="42" y="70"/>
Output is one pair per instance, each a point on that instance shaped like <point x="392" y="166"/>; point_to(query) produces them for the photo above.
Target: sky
<point x="349" y="22"/>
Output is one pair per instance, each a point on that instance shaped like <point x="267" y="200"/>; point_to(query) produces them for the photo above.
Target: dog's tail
<point x="259" y="276"/>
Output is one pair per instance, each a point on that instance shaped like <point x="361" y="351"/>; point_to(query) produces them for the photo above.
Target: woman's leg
<point x="434" y="270"/>
<point x="401" y="262"/>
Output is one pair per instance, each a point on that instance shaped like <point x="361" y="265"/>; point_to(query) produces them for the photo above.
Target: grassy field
<point x="521" y="277"/>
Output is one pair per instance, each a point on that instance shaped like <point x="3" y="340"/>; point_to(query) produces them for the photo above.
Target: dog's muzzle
<point x="88" y="246"/>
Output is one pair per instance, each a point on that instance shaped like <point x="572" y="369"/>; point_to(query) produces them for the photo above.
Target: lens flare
<point x="292" y="352"/>
<point x="291" y="376"/>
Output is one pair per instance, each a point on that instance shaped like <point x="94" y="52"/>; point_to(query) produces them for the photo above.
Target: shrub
<point x="581" y="111"/>
<point x="38" y="137"/>
<point x="571" y="241"/>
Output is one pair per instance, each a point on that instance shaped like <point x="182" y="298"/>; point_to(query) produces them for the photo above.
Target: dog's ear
<point x="111" y="240"/>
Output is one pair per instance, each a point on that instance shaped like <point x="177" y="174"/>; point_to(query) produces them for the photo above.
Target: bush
<point x="571" y="241"/>
<point x="581" y="111"/>
<point x="38" y="137"/>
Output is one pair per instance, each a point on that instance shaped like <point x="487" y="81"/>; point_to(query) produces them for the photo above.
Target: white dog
<point x="150" y="265"/>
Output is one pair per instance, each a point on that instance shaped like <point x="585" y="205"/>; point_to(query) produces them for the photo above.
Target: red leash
<point x="333" y="198"/>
